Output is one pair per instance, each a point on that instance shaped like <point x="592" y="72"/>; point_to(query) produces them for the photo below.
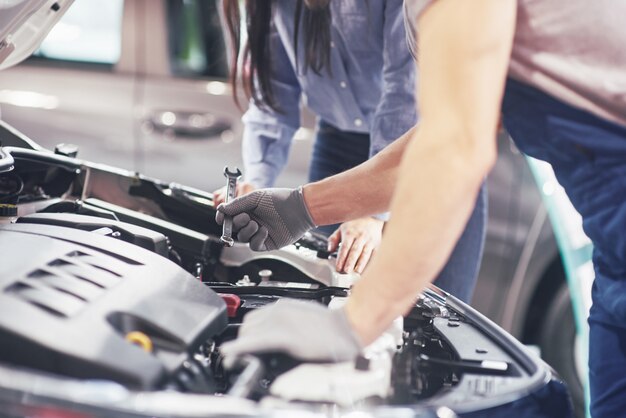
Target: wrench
<point x="231" y="189"/>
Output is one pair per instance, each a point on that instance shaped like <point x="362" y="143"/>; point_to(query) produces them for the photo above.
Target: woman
<point x="350" y="62"/>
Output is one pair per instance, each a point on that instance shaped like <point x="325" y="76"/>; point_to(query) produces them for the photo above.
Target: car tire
<point x="558" y="346"/>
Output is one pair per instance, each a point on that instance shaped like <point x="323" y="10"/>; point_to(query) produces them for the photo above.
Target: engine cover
<point x="70" y="307"/>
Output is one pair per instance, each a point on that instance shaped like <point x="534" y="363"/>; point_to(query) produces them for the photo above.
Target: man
<point x="565" y="102"/>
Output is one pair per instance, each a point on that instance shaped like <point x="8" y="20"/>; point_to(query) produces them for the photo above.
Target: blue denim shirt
<point x="371" y="90"/>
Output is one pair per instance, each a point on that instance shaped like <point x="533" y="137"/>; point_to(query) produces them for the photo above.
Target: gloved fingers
<point x="236" y="351"/>
<point x="355" y="253"/>
<point x="333" y="240"/>
<point x="256" y="341"/>
<point x="263" y="320"/>
<point x="232" y="349"/>
<point x="366" y="256"/>
<point x="344" y="251"/>
<point x="257" y="242"/>
<point x="219" y="217"/>
<point x="240" y="221"/>
<point x="246" y="203"/>
<point x="247" y="231"/>
<point x="305" y="330"/>
<point x="239" y="347"/>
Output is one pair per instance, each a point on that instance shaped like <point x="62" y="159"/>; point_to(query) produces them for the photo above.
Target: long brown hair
<point x="255" y="60"/>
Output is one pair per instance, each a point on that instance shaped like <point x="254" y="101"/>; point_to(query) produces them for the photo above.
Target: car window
<point x="196" y="40"/>
<point x="90" y="32"/>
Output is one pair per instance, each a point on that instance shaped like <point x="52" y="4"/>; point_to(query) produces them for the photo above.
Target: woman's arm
<point x="395" y="114"/>
<point x="268" y="134"/>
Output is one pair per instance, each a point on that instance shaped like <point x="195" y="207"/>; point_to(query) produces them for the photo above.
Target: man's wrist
<point x="310" y="221"/>
<point x="370" y="308"/>
<point x="359" y="326"/>
<point x="308" y="197"/>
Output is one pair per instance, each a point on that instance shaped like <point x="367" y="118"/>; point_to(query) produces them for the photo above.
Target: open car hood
<point x="24" y="24"/>
<point x="116" y="296"/>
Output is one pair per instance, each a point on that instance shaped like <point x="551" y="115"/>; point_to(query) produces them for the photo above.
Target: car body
<point x="146" y="104"/>
<point x="117" y="295"/>
<point x="120" y="81"/>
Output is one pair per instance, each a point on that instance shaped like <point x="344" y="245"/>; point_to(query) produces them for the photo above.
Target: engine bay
<point x="110" y="276"/>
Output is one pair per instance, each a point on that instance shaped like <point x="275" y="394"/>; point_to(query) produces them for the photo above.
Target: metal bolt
<point x="265" y="275"/>
<point x="245" y="281"/>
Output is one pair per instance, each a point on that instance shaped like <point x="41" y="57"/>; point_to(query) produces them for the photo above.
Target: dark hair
<point x="255" y="57"/>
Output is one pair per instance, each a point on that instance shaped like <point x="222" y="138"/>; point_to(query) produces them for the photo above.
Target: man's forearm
<point x="422" y="231"/>
<point x="364" y="190"/>
<point x="464" y="49"/>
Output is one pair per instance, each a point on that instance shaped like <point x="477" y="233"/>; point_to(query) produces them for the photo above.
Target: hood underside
<point x="24" y="24"/>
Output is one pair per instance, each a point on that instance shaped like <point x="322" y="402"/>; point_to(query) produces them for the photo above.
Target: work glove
<point x="305" y="330"/>
<point x="268" y="218"/>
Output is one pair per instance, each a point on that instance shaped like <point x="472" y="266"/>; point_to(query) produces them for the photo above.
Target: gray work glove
<point x="304" y="330"/>
<point x="268" y="218"/>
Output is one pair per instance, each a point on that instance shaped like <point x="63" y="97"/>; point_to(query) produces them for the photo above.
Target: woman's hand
<point x="243" y="188"/>
<point x="359" y="238"/>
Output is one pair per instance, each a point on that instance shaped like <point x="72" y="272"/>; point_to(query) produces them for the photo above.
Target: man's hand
<point x="305" y="330"/>
<point x="268" y="218"/>
<point x="243" y="188"/>
<point x="359" y="239"/>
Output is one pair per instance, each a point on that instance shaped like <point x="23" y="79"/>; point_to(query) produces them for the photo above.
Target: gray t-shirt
<point x="575" y="50"/>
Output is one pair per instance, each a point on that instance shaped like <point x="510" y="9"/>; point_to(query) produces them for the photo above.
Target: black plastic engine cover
<point x="68" y="298"/>
<point x="142" y="237"/>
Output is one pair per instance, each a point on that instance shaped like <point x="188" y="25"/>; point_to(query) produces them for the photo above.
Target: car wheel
<point x="560" y="347"/>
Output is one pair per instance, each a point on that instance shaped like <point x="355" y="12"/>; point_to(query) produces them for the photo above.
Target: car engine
<point x="111" y="277"/>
